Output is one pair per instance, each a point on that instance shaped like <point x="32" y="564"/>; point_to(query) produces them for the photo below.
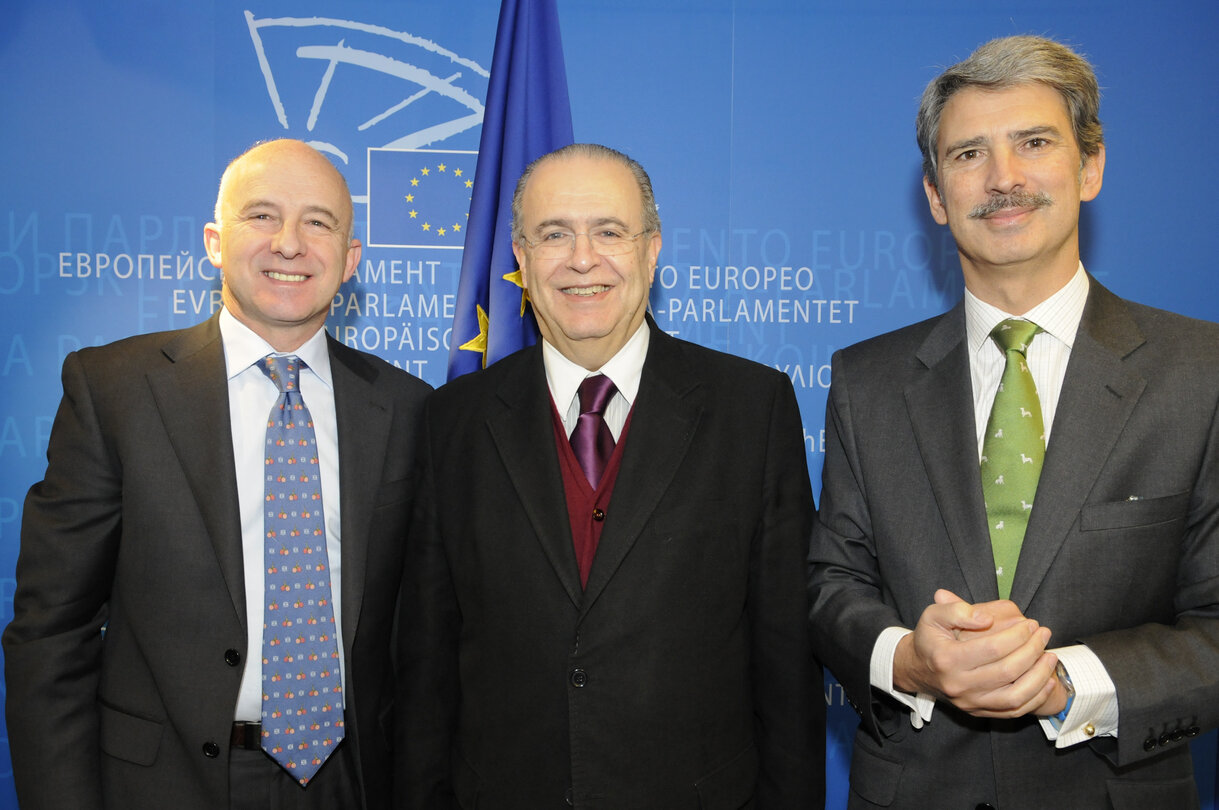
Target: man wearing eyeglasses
<point x="605" y="605"/>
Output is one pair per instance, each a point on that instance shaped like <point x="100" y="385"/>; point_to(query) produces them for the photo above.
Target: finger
<point x="1013" y="649"/>
<point x="1026" y="695"/>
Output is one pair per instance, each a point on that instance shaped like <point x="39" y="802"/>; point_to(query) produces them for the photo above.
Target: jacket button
<point x="569" y="798"/>
<point x="1177" y="735"/>
<point x="232" y="657"/>
<point x="1192" y="731"/>
<point x="211" y="750"/>
<point x="598" y="515"/>
<point x="579" y="678"/>
<point x="1149" y="743"/>
<point x="985" y="806"/>
<point x="1165" y="738"/>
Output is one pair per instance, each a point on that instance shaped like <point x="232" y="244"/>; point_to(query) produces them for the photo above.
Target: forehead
<point x="581" y="187"/>
<point x="976" y="112"/>
<point x="288" y="177"/>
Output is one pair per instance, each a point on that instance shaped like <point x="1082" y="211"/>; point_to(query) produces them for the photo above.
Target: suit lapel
<point x="1098" y="396"/>
<point x="192" y="397"/>
<point x="523" y="434"/>
<point x="663" y="422"/>
<point x="940" y="404"/>
<point x="363" y="416"/>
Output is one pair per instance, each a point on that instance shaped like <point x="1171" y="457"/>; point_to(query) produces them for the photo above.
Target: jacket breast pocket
<point x="1134" y="512"/>
<point x="128" y="737"/>
<point x="394" y="492"/>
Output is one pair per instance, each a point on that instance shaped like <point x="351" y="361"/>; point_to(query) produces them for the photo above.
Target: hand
<point x="987" y="659"/>
<point x="1055" y="703"/>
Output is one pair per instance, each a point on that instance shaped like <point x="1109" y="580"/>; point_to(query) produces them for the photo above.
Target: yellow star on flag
<point x="478" y="343"/>
<point x="517" y="279"/>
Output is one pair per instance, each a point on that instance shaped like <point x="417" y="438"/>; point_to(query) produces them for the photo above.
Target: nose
<point x="1006" y="171"/>
<point x="287" y="241"/>
<point x="583" y="256"/>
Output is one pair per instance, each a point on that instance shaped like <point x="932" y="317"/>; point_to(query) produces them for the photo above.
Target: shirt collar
<point x="243" y="348"/>
<point x="1058" y="315"/>
<point x="625" y="368"/>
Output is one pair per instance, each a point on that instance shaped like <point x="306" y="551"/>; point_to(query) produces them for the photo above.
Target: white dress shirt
<point x="625" y="368"/>
<point x="251" y="396"/>
<point x="1094" y="709"/>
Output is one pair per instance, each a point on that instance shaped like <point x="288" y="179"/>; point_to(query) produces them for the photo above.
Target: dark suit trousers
<point x="257" y="782"/>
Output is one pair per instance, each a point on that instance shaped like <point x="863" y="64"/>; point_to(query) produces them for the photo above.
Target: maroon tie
<point x="591" y="440"/>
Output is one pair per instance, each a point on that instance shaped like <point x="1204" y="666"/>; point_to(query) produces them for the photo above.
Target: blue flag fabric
<point x="527" y="115"/>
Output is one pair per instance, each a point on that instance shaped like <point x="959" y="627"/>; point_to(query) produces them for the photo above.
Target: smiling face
<point x="282" y="240"/>
<point x="1010" y="184"/>
<point x="587" y="305"/>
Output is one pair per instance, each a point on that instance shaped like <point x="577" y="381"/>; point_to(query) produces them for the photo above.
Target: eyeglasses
<point x="559" y="244"/>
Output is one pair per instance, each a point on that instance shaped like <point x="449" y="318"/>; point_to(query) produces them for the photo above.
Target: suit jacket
<point x="681" y="677"/>
<point x="1121" y="554"/>
<point x="125" y="652"/>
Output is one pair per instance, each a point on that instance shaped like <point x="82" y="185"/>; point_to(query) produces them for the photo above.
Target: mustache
<point x="1016" y="199"/>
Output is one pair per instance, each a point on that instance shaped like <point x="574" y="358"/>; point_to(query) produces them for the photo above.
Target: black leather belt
<point x="246" y="735"/>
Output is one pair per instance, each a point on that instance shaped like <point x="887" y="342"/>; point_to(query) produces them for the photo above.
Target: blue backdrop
<point x="778" y="133"/>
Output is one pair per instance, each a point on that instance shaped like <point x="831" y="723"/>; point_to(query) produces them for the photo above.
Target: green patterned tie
<point x="1012" y="451"/>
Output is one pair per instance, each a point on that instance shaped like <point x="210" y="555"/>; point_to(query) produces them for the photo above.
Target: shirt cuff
<point x="881" y="676"/>
<point x="1093" y="712"/>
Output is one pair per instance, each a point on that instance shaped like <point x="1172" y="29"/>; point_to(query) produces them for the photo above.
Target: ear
<point x="353" y="258"/>
<point x="211" y="243"/>
<point x="519" y="252"/>
<point x="653" y="253"/>
<point x="1091" y="175"/>
<point x="936" y="203"/>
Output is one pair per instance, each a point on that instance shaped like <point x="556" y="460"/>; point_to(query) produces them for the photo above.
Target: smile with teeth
<point x="277" y="276"/>
<point x="585" y="291"/>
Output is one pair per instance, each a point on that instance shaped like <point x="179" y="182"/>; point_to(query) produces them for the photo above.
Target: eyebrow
<point x="563" y="222"/>
<point x="1018" y="135"/>
<point x="314" y="210"/>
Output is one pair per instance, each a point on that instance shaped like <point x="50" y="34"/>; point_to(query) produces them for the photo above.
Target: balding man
<point x="209" y="570"/>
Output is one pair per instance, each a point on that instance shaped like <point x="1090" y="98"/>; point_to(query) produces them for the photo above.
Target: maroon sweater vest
<point x="586" y="507"/>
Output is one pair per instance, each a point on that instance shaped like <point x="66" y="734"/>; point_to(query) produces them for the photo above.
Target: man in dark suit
<point x="928" y="498"/>
<point x="136" y="667"/>
<point x="568" y="648"/>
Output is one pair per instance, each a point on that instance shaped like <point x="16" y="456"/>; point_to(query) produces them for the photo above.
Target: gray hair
<point x="651" y="217"/>
<point x="1005" y="63"/>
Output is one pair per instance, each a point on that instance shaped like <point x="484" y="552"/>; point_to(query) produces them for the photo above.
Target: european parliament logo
<point x="345" y="87"/>
<point x="419" y="198"/>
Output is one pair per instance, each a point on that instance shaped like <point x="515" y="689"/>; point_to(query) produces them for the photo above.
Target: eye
<point x="555" y="236"/>
<point x="969" y="154"/>
<point x="610" y="233"/>
<point x="1037" y="143"/>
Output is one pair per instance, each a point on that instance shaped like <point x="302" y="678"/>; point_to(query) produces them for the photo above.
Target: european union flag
<point x="419" y="197"/>
<point x="527" y="115"/>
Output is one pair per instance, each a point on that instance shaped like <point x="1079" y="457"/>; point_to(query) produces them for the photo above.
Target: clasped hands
<point x="987" y="659"/>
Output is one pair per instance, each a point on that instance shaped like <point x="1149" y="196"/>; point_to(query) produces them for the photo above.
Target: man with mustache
<point x="1040" y="462"/>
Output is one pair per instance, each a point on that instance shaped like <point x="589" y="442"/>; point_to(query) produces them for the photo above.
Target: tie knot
<point x="284" y="371"/>
<point x="1014" y="334"/>
<point x="595" y="394"/>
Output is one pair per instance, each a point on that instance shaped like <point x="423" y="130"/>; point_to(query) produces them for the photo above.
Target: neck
<point x="1016" y="290"/>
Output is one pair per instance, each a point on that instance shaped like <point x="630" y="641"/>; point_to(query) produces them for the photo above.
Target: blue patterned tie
<point x="302" y="696"/>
